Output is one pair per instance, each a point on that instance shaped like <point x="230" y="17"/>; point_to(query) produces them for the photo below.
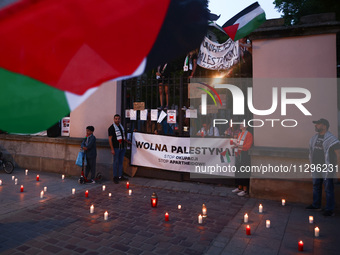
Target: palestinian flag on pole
<point x="54" y="54"/>
<point x="245" y="22"/>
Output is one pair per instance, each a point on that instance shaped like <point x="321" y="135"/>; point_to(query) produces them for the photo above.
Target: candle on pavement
<point x="245" y="218"/>
<point x="300" y="247"/>
<point x="316" y="232"/>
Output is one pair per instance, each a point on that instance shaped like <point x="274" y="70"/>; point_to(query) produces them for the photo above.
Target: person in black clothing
<point x="117" y="141"/>
<point x="162" y="77"/>
<point x="324" y="156"/>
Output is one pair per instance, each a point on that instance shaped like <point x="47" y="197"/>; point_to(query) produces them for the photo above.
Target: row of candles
<point x="300" y="244"/>
<point x="154" y="201"/>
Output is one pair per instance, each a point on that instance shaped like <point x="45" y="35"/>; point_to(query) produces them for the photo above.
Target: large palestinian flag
<point x="245" y="22"/>
<point x="53" y="54"/>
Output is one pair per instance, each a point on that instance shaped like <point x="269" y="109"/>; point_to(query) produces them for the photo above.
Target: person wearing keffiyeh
<point x="117" y="141"/>
<point x="324" y="155"/>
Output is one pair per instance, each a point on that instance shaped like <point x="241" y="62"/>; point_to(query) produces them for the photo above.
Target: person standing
<point x="90" y="148"/>
<point x="242" y="146"/>
<point x="324" y="150"/>
<point x="117" y="141"/>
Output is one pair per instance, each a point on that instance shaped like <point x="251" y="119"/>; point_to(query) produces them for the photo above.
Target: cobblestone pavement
<point x="61" y="223"/>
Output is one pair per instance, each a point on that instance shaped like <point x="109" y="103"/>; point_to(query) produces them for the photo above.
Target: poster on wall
<point x="171" y="116"/>
<point x="195" y="155"/>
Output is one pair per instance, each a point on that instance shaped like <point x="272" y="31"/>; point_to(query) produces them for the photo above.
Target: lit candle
<point x="179" y="207"/>
<point x="73" y="191"/>
<point x="127" y="185"/>
<point x="62" y="177"/>
<point x="22" y="188"/>
<point x="106" y="215"/>
<point x="86" y="193"/>
<point x="260" y="208"/>
<point x="300" y="247"/>
<point x="283" y="202"/>
<point x="0" y="182"/>
<point x="103" y="188"/>
<point x="200" y="219"/>
<point x="267" y="223"/>
<point x="248" y="230"/>
<point x="15" y="181"/>
<point x="166" y="216"/>
<point x="37" y="177"/>
<point x="42" y="194"/>
<point x="316" y="232"/>
<point x="154" y="200"/>
<point x="13" y="177"/>
<point x="245" y="218"/>
<point x="110" y="194"/>
<point x="26" y="171"/>
<point x="45" y="189"/>
<point x="311" y="219"/>
<point x="130" y="192"/>
<point x="204" y="211"/>
<point x="91" y="208"/>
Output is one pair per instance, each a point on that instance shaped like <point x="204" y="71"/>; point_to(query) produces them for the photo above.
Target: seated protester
<point x="208" y="130"/>
<point x="233" y="131"/>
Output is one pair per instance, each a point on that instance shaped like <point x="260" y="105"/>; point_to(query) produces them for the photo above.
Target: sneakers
<point x="123" y="178"/>
<point x="311" y="207"/>
<point x="242" y="193"/>
<point x="115" y="180"/>
<point x="93" y="181"/>
<point x="236" y="190"/>
<point x="328" y="213"/>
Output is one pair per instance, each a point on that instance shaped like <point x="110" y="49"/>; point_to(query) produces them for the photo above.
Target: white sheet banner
<point x="215" y="56"/>
<point x="184" y="154"/>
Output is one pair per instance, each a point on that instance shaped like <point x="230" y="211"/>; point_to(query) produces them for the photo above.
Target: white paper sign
<point x="154" y="114"/>
<point x="127" y="113"/>
<point x="133" y="114"/>
<point x="161" y="117"/>
<point x="191" y="113"/>
<point x="144" y="114"/>
<point x="171" y="116"/>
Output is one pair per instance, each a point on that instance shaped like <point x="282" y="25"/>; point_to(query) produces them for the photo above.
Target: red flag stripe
<point x="57" y="42"/>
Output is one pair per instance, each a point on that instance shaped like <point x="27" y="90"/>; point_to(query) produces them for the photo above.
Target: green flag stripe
<point x="249" y="27"/>
<point x="228" y="158"/>
<point x="27" y="105"/>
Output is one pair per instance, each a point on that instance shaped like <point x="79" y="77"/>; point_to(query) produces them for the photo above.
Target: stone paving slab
<point x="61" y="223"/>
<point x="289" y="225"/>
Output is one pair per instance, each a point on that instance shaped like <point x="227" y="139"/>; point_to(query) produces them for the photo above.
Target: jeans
<point x="317" y="193"/>
<point x="118" y="159"/>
